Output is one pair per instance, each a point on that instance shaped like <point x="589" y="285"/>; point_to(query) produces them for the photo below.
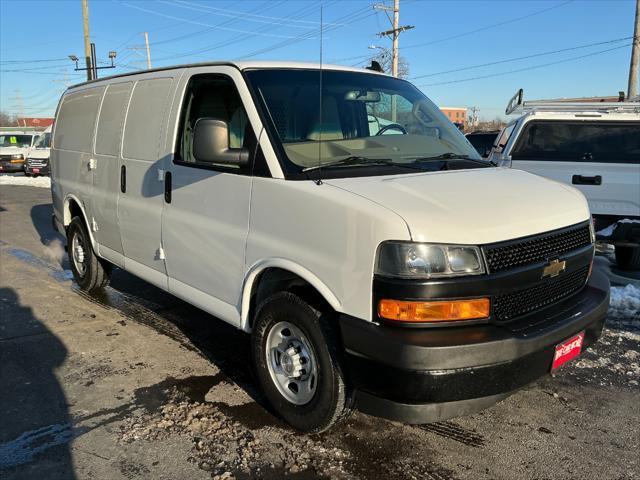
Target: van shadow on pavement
<point x="34" y="413"/>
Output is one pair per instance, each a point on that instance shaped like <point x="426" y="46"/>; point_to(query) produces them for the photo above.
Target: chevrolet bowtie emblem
<point x="554" y="268"/>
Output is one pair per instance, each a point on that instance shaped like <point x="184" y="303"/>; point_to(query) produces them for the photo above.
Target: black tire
<point x="628" y="258"/>
<point x="333" y="399"/>
<point x="97" y="271"/>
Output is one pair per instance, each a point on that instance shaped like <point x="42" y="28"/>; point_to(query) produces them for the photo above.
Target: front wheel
<point x="628" y="258"/>
<point x="90" y="272"/>
<point x="298" y="362"/>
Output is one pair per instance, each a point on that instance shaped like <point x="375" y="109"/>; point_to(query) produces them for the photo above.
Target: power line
<point x="487" y="27"/>
<point x="209" y="29"/>
<point x="348" y="19"/>
<point x="48" y="60"/>
<point x="533" y="67"/>
<point x="525" y="57"/>
<point x="245" y="16"/>
<point x="202" y="24"/>
<point x="239" y="38"/>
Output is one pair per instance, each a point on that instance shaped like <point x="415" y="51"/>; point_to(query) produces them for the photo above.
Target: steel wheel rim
<point x="78" y="254"/>
<point x="292" y="363"/>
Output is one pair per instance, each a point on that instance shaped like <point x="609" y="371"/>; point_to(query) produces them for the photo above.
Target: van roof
<point x="240" y="65"/>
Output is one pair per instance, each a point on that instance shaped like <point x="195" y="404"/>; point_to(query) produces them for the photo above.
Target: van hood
<point x="39" y="153"/>
<point x="473" y="207"/>
<point x="12" y="150"/>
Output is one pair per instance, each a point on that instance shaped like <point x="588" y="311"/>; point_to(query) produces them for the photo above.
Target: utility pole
<point x="396" y="19"/>
<point x="87" y="41"/>
<point x="146" y="41"/>
<point x="394" y="33"/>
<point x="632" y="91"/>
<point x="18" y="105"/>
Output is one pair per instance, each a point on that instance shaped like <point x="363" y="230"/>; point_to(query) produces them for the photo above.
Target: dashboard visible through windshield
<point x="359" y="121"/>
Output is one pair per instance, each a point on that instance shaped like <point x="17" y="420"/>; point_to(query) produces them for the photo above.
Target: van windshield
<point x="44" y="141"/>
<point x="10" y="140"/>
<point x="367" y="121"/>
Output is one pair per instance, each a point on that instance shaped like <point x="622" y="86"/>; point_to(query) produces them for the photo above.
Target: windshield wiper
<point x="357" y="161"/>
<point x="453" y="156"/>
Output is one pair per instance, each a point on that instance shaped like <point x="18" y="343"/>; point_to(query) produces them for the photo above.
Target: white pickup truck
<point x="592" y="146"/>
<point x="338" y="217"/>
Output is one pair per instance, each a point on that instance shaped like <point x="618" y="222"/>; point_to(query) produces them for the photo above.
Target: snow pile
<point x="625" y="303"/>
<point x="41" y="182"/>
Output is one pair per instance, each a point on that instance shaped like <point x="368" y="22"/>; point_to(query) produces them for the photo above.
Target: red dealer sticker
<point x="567" y="350"/>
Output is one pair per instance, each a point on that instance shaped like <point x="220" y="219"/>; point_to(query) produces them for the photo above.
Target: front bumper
<point x="36" y="170"/>
<point x="429" y="375"/>
<point x="6" y="166"/>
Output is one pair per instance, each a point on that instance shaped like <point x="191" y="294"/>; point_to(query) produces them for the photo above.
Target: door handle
<point x="123" y="178"/>
<point x="167" y="187"/>
<point x="586" y="180"/>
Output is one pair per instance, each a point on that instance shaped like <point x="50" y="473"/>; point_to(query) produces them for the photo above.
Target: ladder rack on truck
<point x="517" y="105"/>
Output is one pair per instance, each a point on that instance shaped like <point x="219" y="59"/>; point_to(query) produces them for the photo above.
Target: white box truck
<point x="337" y="217"/>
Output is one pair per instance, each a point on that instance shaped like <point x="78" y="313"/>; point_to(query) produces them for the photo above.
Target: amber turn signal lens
<point x="440" y="311"/>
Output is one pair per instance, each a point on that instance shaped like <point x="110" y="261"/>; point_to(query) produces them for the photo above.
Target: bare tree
<point x="384" y="59"/>
<point x="7" y="120"/>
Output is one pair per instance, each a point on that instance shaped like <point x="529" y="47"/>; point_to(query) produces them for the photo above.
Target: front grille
<point x="32" y="162"/>
<point x="540" y="248"/>
<point x="512" y="305"/>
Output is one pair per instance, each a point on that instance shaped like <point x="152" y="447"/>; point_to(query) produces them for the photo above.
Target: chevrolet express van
<point x="342" y="221"/>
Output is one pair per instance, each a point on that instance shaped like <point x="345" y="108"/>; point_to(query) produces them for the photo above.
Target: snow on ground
<point x="41" y="182"/>
<point x="625" y="302"/>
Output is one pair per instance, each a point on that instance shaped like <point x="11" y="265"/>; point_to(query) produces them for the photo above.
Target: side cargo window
<point x="215" y="96"/>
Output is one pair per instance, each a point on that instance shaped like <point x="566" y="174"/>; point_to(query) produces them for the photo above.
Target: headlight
<point x="424" y="260"/>
<point x="17" y="156"/>
<point x="592" y="230"/>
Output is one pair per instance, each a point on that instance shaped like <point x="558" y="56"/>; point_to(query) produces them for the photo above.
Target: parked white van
<point x="37" y="162"/>
<point x="340" y="219"/>
<point x="594" y="146"/>
<point x="14" y="148"/>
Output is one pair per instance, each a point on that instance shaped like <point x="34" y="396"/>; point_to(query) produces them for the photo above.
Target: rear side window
<point x="145" y="119"/>
<point x="602" y="142"/>
<point x="114" y="107"/>
<point x="76" y="120"/>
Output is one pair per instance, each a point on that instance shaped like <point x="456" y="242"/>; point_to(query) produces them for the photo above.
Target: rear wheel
<point x="628" y="258"/>
<point x="298" y="362"/>
<point x="89" y="271"/>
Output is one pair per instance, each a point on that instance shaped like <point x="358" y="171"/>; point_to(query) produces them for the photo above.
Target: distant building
<point x="34" y="122"/>
<point x="456" y="114"/>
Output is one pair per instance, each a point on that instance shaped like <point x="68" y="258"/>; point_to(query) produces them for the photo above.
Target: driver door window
<point x="212" y="96"/>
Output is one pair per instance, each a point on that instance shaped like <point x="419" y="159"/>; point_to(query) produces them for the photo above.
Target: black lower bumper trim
<point x="422" y="412"/>
<point x="434" y="372"/>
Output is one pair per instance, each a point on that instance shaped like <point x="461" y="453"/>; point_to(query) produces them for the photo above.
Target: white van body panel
<point x="144" y="154"/>
<point x="330" y="232"/>
<point x="477" y="206"/>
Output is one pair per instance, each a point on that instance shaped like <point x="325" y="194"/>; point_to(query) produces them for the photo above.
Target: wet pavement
<point x="135" y="383"/>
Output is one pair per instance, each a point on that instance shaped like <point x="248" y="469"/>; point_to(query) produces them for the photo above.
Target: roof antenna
<point x="319" y="179"/>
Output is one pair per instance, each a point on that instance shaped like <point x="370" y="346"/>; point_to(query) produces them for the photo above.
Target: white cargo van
<point x="37" y="162"/>
<point x="338" y="217"/>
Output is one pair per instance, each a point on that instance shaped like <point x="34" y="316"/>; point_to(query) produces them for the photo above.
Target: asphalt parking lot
<point x="135" y="383"/>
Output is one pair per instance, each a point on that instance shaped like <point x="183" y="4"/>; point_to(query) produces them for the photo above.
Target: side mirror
<point x="211" y="144"/>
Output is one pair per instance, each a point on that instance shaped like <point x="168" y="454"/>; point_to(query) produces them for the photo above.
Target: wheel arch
<point x="73" y="207"/>
<point x="277" y="274"/>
